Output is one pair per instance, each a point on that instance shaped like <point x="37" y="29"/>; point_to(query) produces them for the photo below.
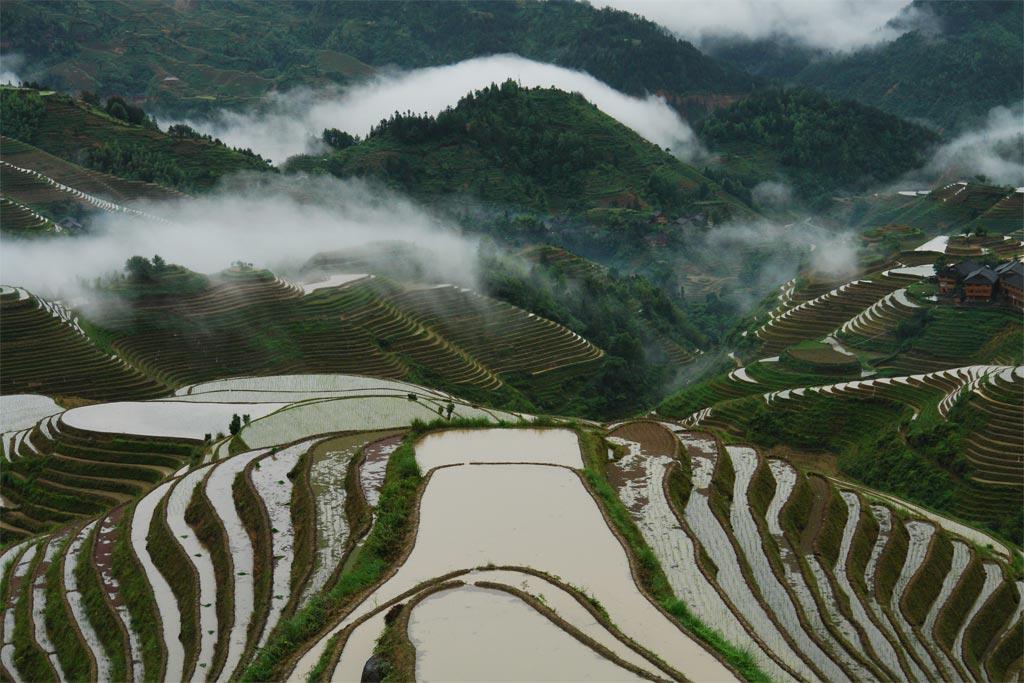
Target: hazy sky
<point x="830" y="24"/>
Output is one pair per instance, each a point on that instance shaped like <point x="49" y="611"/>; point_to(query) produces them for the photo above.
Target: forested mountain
<point x="118" y="138"/>
<point x="183" y="54"/>
<point x="959" y="59"/>
<point x="536" y="148"/>
<point x="819" y="144"/>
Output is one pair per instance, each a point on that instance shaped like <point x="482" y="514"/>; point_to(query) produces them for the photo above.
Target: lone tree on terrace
<point x="139" y="269"/>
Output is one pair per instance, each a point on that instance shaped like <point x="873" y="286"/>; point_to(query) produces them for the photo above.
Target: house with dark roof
<point x="953" y="276"/>
<point x="1011" y="282"/>
<point x="980" y="284"/>
<point x="948" y="280"/>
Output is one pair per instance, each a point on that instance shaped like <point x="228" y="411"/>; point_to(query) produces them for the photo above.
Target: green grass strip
<point x="924" y="587"/>
<point x="992" y="618"/>
<point x="71" y="650"/>
<point x="830" y="536"/>
<point x="138" y="596"/>
<point x="890" y="564"/>
<point x="30" y="661"/>
<point x="99" y="613"/>
<point x="1010" y="650"/>
<point x="202" y="517"/>
<point x="174" y="563"/>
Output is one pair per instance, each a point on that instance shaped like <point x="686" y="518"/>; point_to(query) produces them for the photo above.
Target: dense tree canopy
<point x="538" y="148"/>
<point x="824" y="144"/>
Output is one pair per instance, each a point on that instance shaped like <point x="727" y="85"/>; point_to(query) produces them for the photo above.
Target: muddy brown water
<point x="463" y="446"/>
<point x="476" y="634"/>
<point x="537" y="516"/>
<point x="374" y="466"/>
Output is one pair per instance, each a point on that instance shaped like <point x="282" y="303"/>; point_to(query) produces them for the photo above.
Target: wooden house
<point x="1011" y="282"/>
<point x="981" y="284"/>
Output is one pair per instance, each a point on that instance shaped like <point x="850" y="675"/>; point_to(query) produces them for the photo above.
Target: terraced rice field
<point x="41" y="352"/>
<point x="816" y="317"/>
<point x="167" y="559"/>
<point x="18" y="219"/>
<point x="840" y="617"/>
<point x="163" y="419"/>
<point x="1004" y="216"/>
<point x="503" y="533"/>
<point x="21" y="411"/>
<point x="253" y="323"/>
<point x="83" y="179"/>
<point x="349" y="414"/>
<point x="639" y="478"/>
<point x="564" y="558"/>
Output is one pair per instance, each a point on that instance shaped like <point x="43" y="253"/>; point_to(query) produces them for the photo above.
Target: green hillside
<point x="545" y="338"/>
<point x="536" y="148"/>
<point x="922" y="401"/>
<point x="230" y="53"/>
<point x="818" y="144"/>
<point x="949" y="209"/>
<point x="506" y="391"/>
<point x="85" y="134"/>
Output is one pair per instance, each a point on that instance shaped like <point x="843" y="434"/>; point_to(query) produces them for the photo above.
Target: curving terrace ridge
<point x="722" y="529"/>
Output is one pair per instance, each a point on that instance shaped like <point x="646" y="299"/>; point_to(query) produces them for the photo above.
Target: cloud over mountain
<point x="832" y="24"/>
<point x="290" y="123"/>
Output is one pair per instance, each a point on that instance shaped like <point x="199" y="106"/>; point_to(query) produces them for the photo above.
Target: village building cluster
<point x="970" y="281"/>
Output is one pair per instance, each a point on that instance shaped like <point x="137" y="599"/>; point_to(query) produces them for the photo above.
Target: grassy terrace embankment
<point x="202" y="517"/>
<point x="924" y="588"/>
<point x="42" y="353"/>
<point x="81" y="473"/>
<point x="101" y="617"/>
<point x="251" y="323"/>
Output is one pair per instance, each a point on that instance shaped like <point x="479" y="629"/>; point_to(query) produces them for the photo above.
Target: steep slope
<point x="77" y="131"/>
<point x="538" y="148"/>
<point x="913" y="395"/>
<point x="182" y="328"/>
<point x="46" y="350"/>
<point x="230" y="53"/>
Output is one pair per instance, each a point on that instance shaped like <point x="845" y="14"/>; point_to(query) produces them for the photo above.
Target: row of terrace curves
<point x="814" y="579"/>
<point x="251" y="322"/>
